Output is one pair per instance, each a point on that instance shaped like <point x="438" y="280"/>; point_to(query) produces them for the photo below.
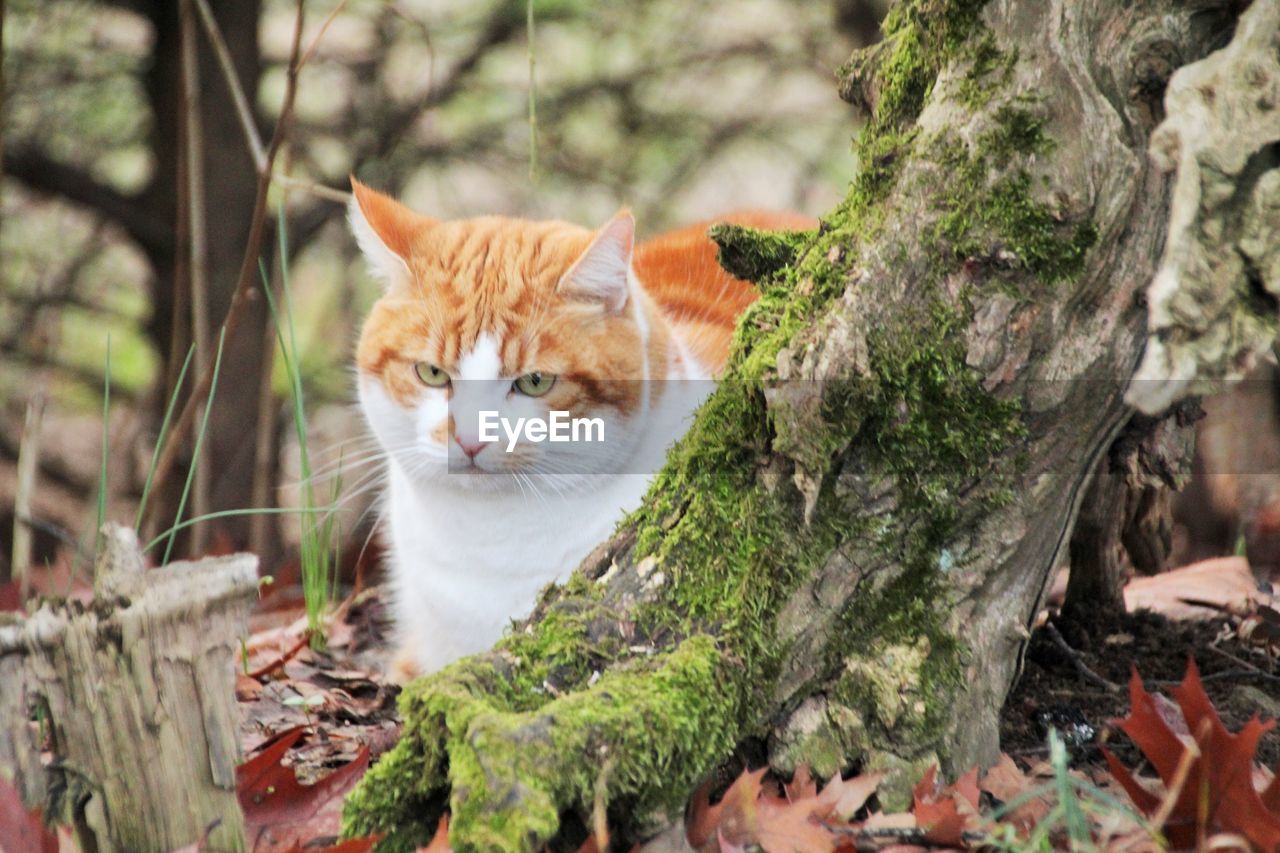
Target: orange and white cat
<point x="523" y="318"/>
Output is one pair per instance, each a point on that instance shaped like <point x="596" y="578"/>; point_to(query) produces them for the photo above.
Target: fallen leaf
<point x="22" y="829"/>
<point x="439" y="841"/>
<point x="10" y="599"/>
<point x="801" y="785"/>
<point x="847" y="796"/>
<point x="247" y="689"/>
<point x="1006" y="782"/>
<point x="1217" y="794"/>
<point x="279" y="810"/>
<point x="749" y="815"/>
<point x="945" y="813"/>
<point x="1223" y="583"/>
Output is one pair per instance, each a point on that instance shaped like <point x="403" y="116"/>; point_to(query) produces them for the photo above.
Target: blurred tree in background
<point x="679" y="110"/>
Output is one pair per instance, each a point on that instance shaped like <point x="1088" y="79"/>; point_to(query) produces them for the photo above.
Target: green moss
<point x="574" y="637"/>
<point x="990" y="70"/>
<point x="1000" y="218"/>
<point x="404" y="793"/>
<point x="926" y="34"/>
<point x="639" y="738"/>
<point x="752" y="254"/>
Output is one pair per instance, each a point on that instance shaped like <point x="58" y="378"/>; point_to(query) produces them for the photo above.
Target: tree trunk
<point x="1126" y="521"/>
<point x="840" y="562"/>
<point x="231" y="187"/>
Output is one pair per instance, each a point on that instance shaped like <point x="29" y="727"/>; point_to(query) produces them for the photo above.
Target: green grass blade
<point x="318" y="540"/>
<point x="228" y="513"/>
<point x="164" y="434"/>
<point x="1072" y="814"/>
<point x="195" y="456"/>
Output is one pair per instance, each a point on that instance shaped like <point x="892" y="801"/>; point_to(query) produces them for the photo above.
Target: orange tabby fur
<point x="518" y="264"/>
<point x="679" y="270"/>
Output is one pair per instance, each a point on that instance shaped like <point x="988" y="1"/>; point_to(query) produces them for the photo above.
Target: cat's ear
<point x="384" y="230"/>
<point x="600" y="273"/>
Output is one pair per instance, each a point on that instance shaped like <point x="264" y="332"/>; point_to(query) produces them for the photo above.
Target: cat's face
<point x="490" y="319"/>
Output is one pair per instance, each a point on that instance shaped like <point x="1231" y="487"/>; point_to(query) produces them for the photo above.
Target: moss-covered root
<point x="641" y="736"/>
<point x="752" y="254"/>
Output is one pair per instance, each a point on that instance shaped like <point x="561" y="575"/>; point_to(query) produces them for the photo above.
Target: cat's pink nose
<point x="470" y="446"/>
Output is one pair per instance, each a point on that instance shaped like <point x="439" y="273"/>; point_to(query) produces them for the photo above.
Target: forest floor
<point x="1075" y="678"/>
<point x="313" y="720"/>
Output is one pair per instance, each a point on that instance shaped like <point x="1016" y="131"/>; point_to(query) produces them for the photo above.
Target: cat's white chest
<point x="464" y="564"/>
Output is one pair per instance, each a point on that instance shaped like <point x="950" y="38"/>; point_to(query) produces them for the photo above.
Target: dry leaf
<point x="1217" y="793"/>
<point x="22" y="829"/>
<point x="439" y="841"/>
<point x="1006" y="782"/>
<point x="279" y="810"/>
<point x="847" y="796"/>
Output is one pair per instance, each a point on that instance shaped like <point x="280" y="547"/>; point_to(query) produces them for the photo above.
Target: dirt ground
<point x="1051" y="688"/>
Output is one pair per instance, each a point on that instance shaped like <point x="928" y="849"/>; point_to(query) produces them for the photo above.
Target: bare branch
<point x="243" y="111"/>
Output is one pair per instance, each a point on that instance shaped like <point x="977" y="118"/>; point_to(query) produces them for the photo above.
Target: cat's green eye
<point x="431" y="375"/>
<point x="535" y="384"/>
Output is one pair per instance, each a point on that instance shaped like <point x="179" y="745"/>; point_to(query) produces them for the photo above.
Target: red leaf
<point x="439" y="841"/>
<point x="1148" y="729"/>
<point x="351" y="845"/>
<point x="1218" y="794"/>
<point x="801" y="785"/>
<point x="277" y="807"/>
<point x="702" y="817"/>
<point x="10" y="599"/>
<point x="1146" y="801"/>
<point x="20" y="829"/>
<point x="751" y="815"/>
<point x="938" y="812"/>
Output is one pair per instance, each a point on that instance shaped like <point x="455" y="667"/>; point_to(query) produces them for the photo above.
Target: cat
<point x="519" y="319"/>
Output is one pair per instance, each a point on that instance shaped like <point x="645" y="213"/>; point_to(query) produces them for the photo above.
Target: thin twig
<point x="249" y="263"/>
<point x="1072" y="655"/>
<point x="319" y="190"/>
<point x="1257" y="670"/>
<point x="315" y="42"/>
<point x="243" y="112"/>
<point x="192" y="198"/>
<point x="263" y="525"/>
<point x="279" y="662"/>
<point x="533" y="96"/>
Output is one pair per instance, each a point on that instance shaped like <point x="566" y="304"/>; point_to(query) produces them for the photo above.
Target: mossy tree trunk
<point x="840" y="562"/>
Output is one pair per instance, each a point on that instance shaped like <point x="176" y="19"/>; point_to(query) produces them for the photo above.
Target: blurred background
<point x="130" y="188"/>
<point x="129" y="195"/>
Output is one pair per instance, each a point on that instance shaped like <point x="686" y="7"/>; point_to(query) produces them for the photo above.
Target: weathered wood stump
<point x="136" y="693"/>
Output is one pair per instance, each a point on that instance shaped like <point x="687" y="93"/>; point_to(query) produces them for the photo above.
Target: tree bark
<point x="840" y="562"/>
<point x="231" y="188"/>
<point x="1125" y="523"/>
